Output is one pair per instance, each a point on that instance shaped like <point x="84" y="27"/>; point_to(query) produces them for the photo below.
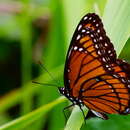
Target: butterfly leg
<point x="83" y="114"/>
<point x="65" y="109"/>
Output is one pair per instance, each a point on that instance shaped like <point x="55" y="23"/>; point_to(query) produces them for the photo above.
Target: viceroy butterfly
<point x="93" y="76"/>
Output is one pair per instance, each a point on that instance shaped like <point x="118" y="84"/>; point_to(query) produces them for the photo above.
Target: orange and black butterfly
<point x="93" y="75"/>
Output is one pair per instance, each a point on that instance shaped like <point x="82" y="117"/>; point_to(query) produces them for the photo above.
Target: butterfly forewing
<point x="93" y="74"/>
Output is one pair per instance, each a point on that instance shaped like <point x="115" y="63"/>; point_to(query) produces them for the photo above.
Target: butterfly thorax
<point x="74" y="100"/>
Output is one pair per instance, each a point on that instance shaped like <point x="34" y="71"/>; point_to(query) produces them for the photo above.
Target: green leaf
<point x="76" y="119"/>
<point x="73" y="10"/>
<point x="32" y="116"/>
<point x="117" y="22"/>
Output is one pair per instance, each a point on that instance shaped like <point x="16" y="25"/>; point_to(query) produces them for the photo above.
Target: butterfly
<point x="93" y="76"/>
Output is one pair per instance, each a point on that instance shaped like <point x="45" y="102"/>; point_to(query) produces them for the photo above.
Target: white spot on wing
<point x="109" y="86"/>
<point x="70" y="52"/>
<point x="97" y="25"/>
<point x="100" y="38"/>
<point x="71" y="98"/>
<point x="94" y="21"/>
<point x="111" y="54"/>
<point x="85" y="17"/>
<point x="96" y="46"/>
<point x="115" y="76"/>
<point x="109" y="51"/>
<point x="75" y="48"/>
<point x="124" y="61"/>
<point x="92" y="35"/>
<point x="99" y="52"/>
<point x="109" y="69"/>
<point x="80" y="49"/>
<point x="83" y="30"/>
<point x="94" y="40"/>
<point x="107" y="66"/>
<point x="106" y="44"/>
<point x="90" y="18"/>
<point x="78" y="37"/>
<point x="104" y="59"/>
<point x="80" y="26"/>
<point x="97" y="79"/>
<point x="98" y="31"/>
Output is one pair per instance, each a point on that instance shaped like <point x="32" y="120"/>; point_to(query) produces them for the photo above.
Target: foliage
<point x="41" y="30"/>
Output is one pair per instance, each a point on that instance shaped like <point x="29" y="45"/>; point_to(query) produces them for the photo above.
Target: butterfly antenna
<point x="40" y="63"/>
<point x="46" y="84"/>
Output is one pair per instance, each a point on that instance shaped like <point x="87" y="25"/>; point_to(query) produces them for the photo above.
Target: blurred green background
<point x="33" y="30"/>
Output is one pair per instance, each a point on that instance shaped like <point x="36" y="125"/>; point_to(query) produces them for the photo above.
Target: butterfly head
<point x="63" y="91"/>
<point x="74" y="100"/>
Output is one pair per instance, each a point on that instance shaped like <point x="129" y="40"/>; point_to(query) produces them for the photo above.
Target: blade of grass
<point x="76" y="119"/>
<point x="24" y="22"/>
<point x="32" y="116"/>
<point x="117" y="22"/>
<point x="56" y="41"/>
<point x="101" y="5"/>
<point x="73" y="11"/>
<point x="58" y="46"/>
